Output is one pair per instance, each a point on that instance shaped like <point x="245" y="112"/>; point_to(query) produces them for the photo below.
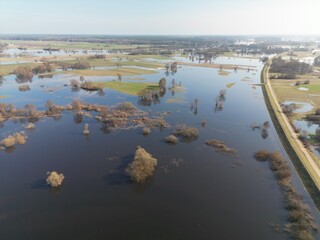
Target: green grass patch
<point x="130" y="88"/>
<point x="223" y="73"/>
<point x="135" y="78"/>
<point x="9" y="68"/>
<point x="174" y="100"/>
<point x="230" y="85"/>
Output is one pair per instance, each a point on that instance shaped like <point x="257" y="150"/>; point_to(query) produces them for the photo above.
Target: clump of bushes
<point x="51" y="108"/>
<point x="80" y="65"/>
<point x="288" y="108"/>
<point x="30" y="126"/>
<point x="262" y="155"/>
<point x="89" y="86"/>
<point x="146" y="131"/>
<point x="204" y="123"/>
<point x="75" y="85"/>
<point x="306" y="82"/>
<point x="186" y="132"/>
<point x="55" y="179"/>
<point x="23" y="73"/>
<point x="16" y="138"/>
<point x="220" y="146"/>
<point x="301" y="224"/>
<point x="97" y="56"/>
<point x="125" y="106"/>
<point x="44" y="68"/>
<point x="142" y="167"/>
<point x="171" y="139"/>
<point x="23" y="88"/>
<point x="86" y="130"/>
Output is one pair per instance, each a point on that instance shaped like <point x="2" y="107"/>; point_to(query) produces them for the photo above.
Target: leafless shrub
<point x="54" y="179"/>
<point x="186" y="132"/>
<point x="86" y="130"/>
<point x="220" y="146"/>
<point x="142" y="167"/>
<point x="23" y="88"/>
<point x="125" y="106"/>
<point x="146" y="131"/>
<point x="16" y="138"/>
<point x="23" y="73"/>
<point x="75" y="85"/>
<point x="30" y="126"/>
<point x="204" y="123"/>
<point x="262" y="155"/>
<point x="171" y="139"/>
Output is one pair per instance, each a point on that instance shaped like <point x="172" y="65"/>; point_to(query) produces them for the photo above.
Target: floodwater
<point x="14" y="52"/>
<point x="208" y="195"/>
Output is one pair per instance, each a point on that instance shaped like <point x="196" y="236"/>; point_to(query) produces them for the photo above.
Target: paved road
<point x="292" y="132"/>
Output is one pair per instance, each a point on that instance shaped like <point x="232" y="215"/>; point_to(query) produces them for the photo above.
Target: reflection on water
<point x="202" y="199"/>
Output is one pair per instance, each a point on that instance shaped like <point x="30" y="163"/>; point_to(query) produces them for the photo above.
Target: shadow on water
<point x="40" y="184"/>
<point x="119" y="177"/>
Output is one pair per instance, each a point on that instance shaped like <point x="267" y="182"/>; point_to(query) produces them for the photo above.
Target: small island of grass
<point x="130" y="88"/>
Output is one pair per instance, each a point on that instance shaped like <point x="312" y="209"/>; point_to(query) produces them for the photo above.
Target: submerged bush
<point x="125" y="106"/>
<point x="262" y="155"/>
<point x="171" y="139"/>
<point x="220" y="146"/>
<point x="146" y="131"/>
<point x="23" y="73"/>
<point x="86" y="130"/>
<point x="16" y="138"/>
<point x="301" y="224"/>
<point x="186" y="132"/>
<point x="24" y="88"/>
<point x="9" y="141"/>
<point x="54" y="179"/>
<point x="142" y="167"/>
<point x="30" y="126"/>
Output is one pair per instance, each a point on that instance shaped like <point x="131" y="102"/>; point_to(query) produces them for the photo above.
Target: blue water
<point x="212" y="195"/>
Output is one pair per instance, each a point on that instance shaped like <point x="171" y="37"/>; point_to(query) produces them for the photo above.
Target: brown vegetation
<point x="220" y="146"/>
<point x="80" y="65"/>
<point x="262" y="155"/>
<point x="44" y="68"/>
<point x="186" y="132"/>
<point x="23" y="88"/>
<point x="301" y="224"/>
<point x="86" y="130"/>
<point x="142" y="167"/>
<point x="55" y="179"/>
<point x="171" y="139"/>
<point x="23" y="73"/>
<point x="16" y="138"/>
<point x="146" y="131"/>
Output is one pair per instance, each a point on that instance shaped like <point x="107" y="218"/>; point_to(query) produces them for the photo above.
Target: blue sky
<point x="179" y="17"/>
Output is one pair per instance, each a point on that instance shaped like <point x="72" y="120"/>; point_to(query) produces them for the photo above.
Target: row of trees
<point x="289" y="69"/>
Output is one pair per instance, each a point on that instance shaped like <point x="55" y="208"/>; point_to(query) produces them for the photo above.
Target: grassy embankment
<point x="301" y="163"/>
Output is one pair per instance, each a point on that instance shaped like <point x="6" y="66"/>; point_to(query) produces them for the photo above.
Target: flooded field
<point x="196" y="191"/>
